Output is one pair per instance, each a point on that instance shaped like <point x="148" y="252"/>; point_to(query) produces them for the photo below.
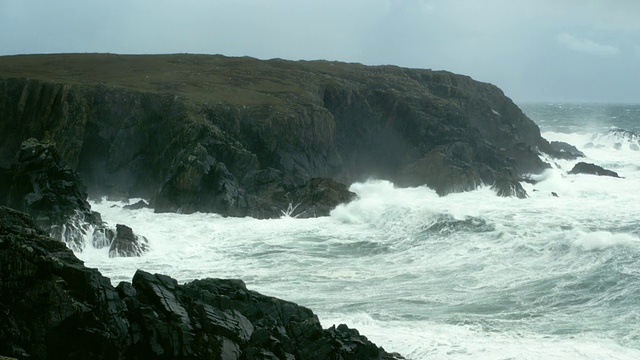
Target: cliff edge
<point x="241" y="136"/>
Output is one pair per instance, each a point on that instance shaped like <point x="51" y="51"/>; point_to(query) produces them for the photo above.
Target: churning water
<point x="466" y="276"/>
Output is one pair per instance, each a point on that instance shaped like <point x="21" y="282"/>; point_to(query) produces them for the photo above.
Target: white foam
<point x="398" y="252"/>
<point x="603" y="239"/>
<point x="426" y="340"/>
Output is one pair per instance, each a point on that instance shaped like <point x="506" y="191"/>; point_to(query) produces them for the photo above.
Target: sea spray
<point x="466" y="276"/>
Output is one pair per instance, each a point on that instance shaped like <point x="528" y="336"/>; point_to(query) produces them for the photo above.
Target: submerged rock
<point x="53" y="307"/>
<point x="592" y="169"/>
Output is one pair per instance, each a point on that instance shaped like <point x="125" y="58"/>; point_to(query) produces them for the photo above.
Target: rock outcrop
<point x="52" y="193"/>
<point x="592" y="169"/>
<point x="186" y="130"/>
<point x="40" y="184"/>
<point x="126" y="244"/>
<point x="53" y="307"/>
<point x="566" y="151"/>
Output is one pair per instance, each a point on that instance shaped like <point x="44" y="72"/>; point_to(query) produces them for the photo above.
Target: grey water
<point x="466" y="276"/>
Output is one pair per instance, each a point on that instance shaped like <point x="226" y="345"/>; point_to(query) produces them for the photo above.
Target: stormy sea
<point x="465" y="276"/>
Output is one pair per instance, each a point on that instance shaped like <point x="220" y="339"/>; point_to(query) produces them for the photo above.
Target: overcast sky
<point x="535" y="50"/>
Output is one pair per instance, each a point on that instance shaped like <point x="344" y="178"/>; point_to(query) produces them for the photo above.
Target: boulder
<point x="126" y="244"/>
<point x="563" y="150"/>
<point x="592" y="169"/>
<point x="316" y="197"/>
<point x="141" y="204"/>
<point x="53" y="307"/>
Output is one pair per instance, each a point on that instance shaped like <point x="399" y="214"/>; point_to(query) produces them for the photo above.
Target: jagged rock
<point x="317" y="197"/>
<point x="52" y="193"/>
<point x="563" y="150"/>
<point x="141" y="204"/>
<point x="456" y="167"/>
<point x="41" y="185"/>
<point x="198" y="182"/>
<point x="126" y="243"/>
<point x="592" y="169"/>
<point x="53" y="307"/>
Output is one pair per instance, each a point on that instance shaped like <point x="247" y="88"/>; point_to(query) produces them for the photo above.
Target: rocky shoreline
<point x="53" y="307"/>
<point x="235" y="136"/>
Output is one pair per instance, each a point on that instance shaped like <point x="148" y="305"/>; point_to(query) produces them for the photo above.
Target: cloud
<point x="587" y="46"/>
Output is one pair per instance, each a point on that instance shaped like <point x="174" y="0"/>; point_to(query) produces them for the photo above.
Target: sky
<point x="534" y="50"/>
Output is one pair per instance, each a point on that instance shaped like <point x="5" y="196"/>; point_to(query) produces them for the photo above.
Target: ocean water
<point x="466" y="276"/>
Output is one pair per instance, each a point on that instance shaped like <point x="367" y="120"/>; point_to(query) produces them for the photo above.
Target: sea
<point x="465" y="276"/>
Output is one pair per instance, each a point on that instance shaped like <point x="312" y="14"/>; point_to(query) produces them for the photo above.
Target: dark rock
<point x="141" y="204"/>
<point x="317" y="197"/>
<point x="198" y="182"/>
<point x="52" y="193"/>
<point x="126" y="243"/>
<point x="53" y="308"/>
<point x="457" y="168"/>
<point x="278" y="195"/>
<point x="554" y="194"/>
<point x="591" y="169"/>
<point x="562" y="150"/>
<point x="190" y="149"/>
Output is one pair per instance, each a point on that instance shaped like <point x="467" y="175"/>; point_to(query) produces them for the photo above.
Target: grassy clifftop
<point x="135" y="119"/>
<point x="206" y="78"/>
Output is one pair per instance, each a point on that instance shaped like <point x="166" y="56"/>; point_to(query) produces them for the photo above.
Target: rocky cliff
<point x="242" y="136"/>
<point x="53" y="307"/>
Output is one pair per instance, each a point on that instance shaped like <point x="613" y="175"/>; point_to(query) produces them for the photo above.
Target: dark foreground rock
<point x="53" y="307"/>
<point x="40" y="184"/>
<point x="592" y="169"/>
<point x="186" y="130"/>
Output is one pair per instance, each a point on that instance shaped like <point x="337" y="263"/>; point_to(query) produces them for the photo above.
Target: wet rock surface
<point x="592" y="169"/>
<point x="189" y="142"/>
<point x="565" y="151"/>
<point x="126" y="244"/>
<point x="56" y="308"/>
<point x="40" y="184"/>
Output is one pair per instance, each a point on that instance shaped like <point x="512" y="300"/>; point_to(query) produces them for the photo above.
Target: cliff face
<point x="192" y="131"/>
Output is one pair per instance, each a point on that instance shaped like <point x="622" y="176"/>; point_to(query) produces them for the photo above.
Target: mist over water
<point x="466" y="276"/>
